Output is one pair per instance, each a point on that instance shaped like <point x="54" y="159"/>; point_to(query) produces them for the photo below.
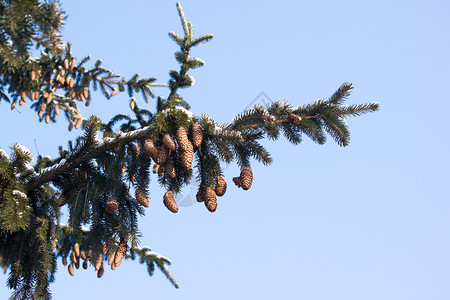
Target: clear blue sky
<point x="368" y="221"/>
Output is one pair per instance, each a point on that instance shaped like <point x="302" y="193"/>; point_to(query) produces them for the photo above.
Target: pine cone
<point x="200" y="194"/>
<point x="294" y="119"/>
<point x="77" y="264"/>
<point x="246" y="178"/>
<point x="76" y="249"/>
<point x="73" y="257"/>
<point x="169" y="168"/>
<point x="111" y="259"/>
<point x="120" y="253"/>
<point x="237" y="181"/>
<point x="210" y="199"/>
<point x="197" y="135"/>
<point x="83" y="255"/>
<point x="169" y="143"/>
<point x="111" y="205"/>
<point x="70" y="268"/>
<point x="182" y="139"/>
<point x="186" y="157"/>
<point x="149" y="149"/>
<point x="100" y="271"/>
<point x="123" y="166"/>
<point x="162" y="155"/>
<point x="64" y="261"/>
<point x="98" y="262"/>
<point x="169" y="202"/>
<point x="221" y="186"/>
<point x="141" y="197"/>
<point x="155" y="168"/>
<point x="85" y="264"/>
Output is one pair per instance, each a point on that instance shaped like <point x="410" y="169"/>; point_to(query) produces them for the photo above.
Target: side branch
<point x="101" y="147"/>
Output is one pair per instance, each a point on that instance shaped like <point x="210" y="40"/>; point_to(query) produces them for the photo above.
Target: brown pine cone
<point x="111" y="205"/>
<point x="169" y="202"/>
<point x="294" y="119"/>
<point x="85" y="264"/>
<point x="120" y="253"/>
<point x="186" y="157"/>
<point x="246" y="178"/>
<point x="64" y="261"/>
<point x="221" y="186"/>
<point x="83" y="255"/>
<point x="169" y="168"/>
<point x="73" y="257"/>
<point x="141" y="197"/>
<point x="200" y="194"/>
<point x="197" y="135"/>
<point x="70" y="268"/>
<point x="210" y="199"/>
<point x="149" y="149"/>
<point x="237" y="181"/>
<point x="162" y="155"/>
<point x="100" y="271"/>
<point x="182" y="139"/>
<point x="98" y="262"/>
<point x="169" y="143"/>
<point x="155" y="168"/>
<point x="76" y="249"/>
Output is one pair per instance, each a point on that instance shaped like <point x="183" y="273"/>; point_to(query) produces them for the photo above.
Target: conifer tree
<point x="103" y="181"/>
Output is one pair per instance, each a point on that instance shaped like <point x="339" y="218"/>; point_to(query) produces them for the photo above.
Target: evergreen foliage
<point x="104" y="181"/>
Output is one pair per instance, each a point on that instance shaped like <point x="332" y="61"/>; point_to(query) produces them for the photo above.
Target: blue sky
<point x="368" y="221"/>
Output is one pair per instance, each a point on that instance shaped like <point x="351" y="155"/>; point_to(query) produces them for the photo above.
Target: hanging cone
<point x="237" y="181"/>
<point x="221" y="186"/>
<point x="186" y="157"/>
<point x="83" y="255"/>
<point x="246" y="178"/>
<point x="33" y="75"/>
<point x="114" y="92"/>
<point x="132" y="104"/>
<point x="141" y="197"/>
<point x="66" y="64"/>
<point x="100" y="271"/>
<point x="169" y="168"/>
<point x="155" y="168"/>
<point x="200" y="194"/>
<point x="77" y="264"/>
<point x="64" y="261"/>
<point x="111" y="205"/>
<point x="54" y="244"/>
<point x="85" y="92"/>
<point x="197" y="135"/>
<point x="70" y="268"/>
<point x="73" y="257"/>
<point x="169" y="143"/>
<point x="76" y="249"/>
<point x="294" y="119"/>
<point x="182" y="139"/>
<point x="210" y="199"/>
<point x="149" y="149"/>
<point x="111" y="259"/>
<point x="120" y="253"/>
<point x="72" y="64"/>
<point x="98" y="262"/>
<point x="169" y="202"/>
<point x="85" y="264"/>
<point x="162" y="155"/>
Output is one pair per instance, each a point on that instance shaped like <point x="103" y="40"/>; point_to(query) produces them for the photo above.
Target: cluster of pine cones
<point x="164" y="164"/>
<point x="76" y="255"/>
